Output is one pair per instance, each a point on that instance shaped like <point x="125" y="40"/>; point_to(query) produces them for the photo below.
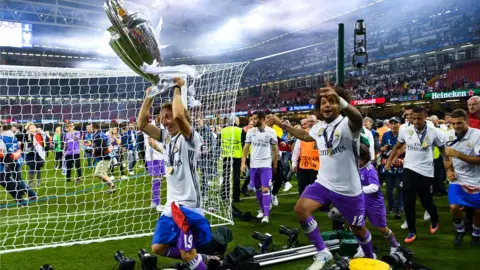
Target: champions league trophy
<point x="133" y="40"/>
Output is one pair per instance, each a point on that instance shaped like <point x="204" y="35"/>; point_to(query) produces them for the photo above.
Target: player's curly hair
<point x="364" y="153"/>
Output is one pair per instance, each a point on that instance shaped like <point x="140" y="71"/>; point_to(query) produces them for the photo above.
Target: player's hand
<point x="451" y="152"/>
<point x="328" y="91"/>
<point x="243" y="168"/>
<point x="273" y="120"/>
<point x="179" y="82"/>
<point x="451" y="176"/>
<point x="283" y="144"/>
<point x="294" y="169"/>
<point x="147" y="92"/>
<point x="384" y="148"/>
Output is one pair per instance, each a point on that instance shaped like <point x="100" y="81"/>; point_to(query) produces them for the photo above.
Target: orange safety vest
<point x="309" y="158"/>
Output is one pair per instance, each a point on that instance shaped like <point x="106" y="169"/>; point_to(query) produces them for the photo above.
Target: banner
<point x="308" y="107"/>
<point x="368" y="101"/>
<point x="404" y="98"/>
<point x="453" y="94"/>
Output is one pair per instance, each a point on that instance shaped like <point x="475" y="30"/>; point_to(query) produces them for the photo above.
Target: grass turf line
<point x="435" y="251"/>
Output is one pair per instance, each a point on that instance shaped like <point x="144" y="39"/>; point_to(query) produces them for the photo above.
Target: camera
<point x="46" y="267"/>
<point x="149" y="262"/>
<point x="292" y="236"/>
<point x="402" y="258"/>
<point x="265" y="241"/>
<point x="124" y="263"/>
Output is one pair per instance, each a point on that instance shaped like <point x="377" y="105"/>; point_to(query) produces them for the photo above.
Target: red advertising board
<point x="368" y="101"/>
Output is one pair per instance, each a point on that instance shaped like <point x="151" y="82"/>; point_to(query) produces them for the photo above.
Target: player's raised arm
<point x="142" y="119"/>
<point x="296" y="132"/>
<point x="180" y="113"/>
<point x="355" y="119"/>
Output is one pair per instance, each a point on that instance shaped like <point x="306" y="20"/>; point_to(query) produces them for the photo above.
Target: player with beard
<point x="337" y="138"/>
<point x="263" y="161"/>
<point x="182" y="227"/>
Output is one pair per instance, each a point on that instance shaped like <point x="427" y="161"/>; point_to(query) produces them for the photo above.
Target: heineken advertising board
<point x="453" y="94"/>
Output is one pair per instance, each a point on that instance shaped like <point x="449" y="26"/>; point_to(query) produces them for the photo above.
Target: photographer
<point x="393" y="177"/>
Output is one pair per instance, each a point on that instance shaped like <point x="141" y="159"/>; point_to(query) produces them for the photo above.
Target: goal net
<point x="65" y="212"/>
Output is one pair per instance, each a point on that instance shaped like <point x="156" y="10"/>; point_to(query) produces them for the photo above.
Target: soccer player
<point x="419" y="139"/>
<point x="263" y="161"/>
<point x="182" y="227"/>
<point x="464" y="189"/>
<point x="338" y="181"/>
<point x="374" y="202"/>
<point x="101" y="152"/>
<point x="155" y="163"/>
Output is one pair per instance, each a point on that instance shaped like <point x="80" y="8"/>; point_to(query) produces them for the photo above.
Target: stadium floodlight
<point x="360" y="56"/>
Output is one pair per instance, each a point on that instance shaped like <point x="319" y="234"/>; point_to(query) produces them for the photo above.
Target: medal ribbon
<point x="329" y="142"/>
<point x="424" y="133"/>
<point x="459" y="138"/>
<point x="171" y="153"/>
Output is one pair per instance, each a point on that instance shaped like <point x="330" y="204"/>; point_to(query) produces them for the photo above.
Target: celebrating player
<point x="263" y="161"/>
<point x="419" y="139"/>
<point x="337" y="139"/>
<point x="464" y="147"/>
<point x="155" y="163"/>
<point x="374" y="202"/>
<point x="182" y="227"/>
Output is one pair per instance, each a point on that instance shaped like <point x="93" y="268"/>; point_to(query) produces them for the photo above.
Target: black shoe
<point x="458" y="238"/>
<point x="391" y="211"/>
<point x="475" y="241"/>
<point x="237" y="200"/>
<point x="398" y="215"/>
<point x="245" y="193"/>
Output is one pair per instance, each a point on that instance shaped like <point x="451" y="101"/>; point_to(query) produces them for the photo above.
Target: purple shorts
<point x="156" y="168"/>
<point x="375" y="210"/>
<point x="351" y="208"/>
<point x="261" y="177"/>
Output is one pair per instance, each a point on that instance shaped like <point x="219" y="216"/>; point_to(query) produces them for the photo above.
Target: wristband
<point x="176" y="86"/>
<point x="343" y="103"/>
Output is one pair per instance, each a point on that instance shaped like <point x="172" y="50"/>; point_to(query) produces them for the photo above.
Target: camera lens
<point x="119" y="256"/>
<point x="258" y="236"/>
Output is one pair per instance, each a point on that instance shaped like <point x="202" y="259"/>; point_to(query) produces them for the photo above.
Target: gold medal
<point x="424" y="144"/>
<point x="170" y="170"/>
<point x="329" y="152"/>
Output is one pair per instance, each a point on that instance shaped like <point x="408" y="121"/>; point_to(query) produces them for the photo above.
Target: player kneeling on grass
<point x="463" y="146"/>
<point x="338" y="181"/>
<point x="374" y="202"/>
<point x="182" y="227"/>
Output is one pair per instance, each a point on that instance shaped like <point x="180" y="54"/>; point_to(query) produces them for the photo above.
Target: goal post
<point x="67" y="213"/>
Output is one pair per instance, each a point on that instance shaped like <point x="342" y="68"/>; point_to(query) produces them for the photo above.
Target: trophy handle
<point x="112" y="14"/>
<point x="159" y="89"/>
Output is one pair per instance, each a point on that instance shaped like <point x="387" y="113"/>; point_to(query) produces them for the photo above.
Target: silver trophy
<point x="133" y="40"/>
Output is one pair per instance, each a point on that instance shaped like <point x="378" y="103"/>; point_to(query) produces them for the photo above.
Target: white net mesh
<point x="65" y="212"/>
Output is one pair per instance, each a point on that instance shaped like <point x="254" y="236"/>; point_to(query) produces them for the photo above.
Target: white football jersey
<point x="261" y="142"/>
<point x="419" y="155"/>
<point x="339" y="170"/>
<point x="183" y="185"/>
<point x="150" y="152"/>
<point x="467" y="174"/>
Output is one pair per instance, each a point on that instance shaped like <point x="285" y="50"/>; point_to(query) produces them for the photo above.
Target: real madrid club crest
<point x="337" y="135"/>
<point x="469" y="145"/>
<point x="450" y="138"/>
<point x="320" y="131"/>
<point x="410" y="133"/>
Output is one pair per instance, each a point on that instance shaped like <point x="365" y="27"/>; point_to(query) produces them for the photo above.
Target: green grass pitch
<point x="435" y="251"/>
